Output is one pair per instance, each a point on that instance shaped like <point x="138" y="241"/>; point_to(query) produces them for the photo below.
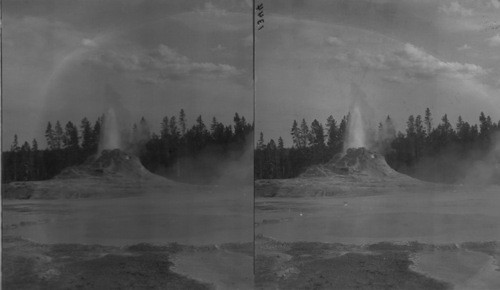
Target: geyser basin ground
<point x="448" y="217"/>
<point x="187" y="217"/>
<point x="201" y="219"/>
<point x="469" y="214"/>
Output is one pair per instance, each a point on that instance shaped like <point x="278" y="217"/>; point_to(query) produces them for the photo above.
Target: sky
<point x="65" y="60"/>
<point x="405" y="55"/>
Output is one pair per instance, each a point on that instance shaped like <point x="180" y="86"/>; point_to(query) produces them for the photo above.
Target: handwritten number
<point x="260" y="14"/>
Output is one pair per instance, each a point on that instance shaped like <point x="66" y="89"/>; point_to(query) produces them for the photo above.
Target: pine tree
<point x="35" y="160"/>
<point x="410" y="126"/>
<point x="165" y="128"/>
<point x="174" y="131"/>
<point x="485" y="126"/>
<point x="182" y="122"/>
<point x="428" y="121"/>
<point x="87" y="136"/>
<point x="26" y="147"/>
<point x="463" y="130"/>
<point x="70" y="138"/>
<point x="49" y="136"/>
<point x="96" y="134"/>
<point x="271" y="145"/>
<point x="303" y="134"/>
<point x="239" y="127"/>
<point x="200" y="126"/>
<point x="446" y="126"/>
<point x="260" y="142"/>
<point x="316" y="136"/>
<point x="34" y="145"/>
<point x="281" y="145"/>
<point x="58" y="135"/>
<point x="295" y="134"/>
<point x="27" y="165"/>
<point x="333" y="133"/>
<point x="419" y="137"/>
<point x="213" y="126"/>
<point x="389" y="128"/>
<point x="14" y="149"/>
<point x="15" y="145"/>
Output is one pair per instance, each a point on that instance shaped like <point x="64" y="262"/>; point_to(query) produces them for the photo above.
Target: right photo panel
<point x="377" y="144"/>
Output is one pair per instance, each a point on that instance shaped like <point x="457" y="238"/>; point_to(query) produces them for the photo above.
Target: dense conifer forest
<point x="178" y="152"/>
<point x="429" y="150"/>
<point x="433" y="151"/>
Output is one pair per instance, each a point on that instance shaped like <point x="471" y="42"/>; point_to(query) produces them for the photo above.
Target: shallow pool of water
<point x="188" y="217"/>
<point x="464" y="269"/>
<point x="436" y="218"/>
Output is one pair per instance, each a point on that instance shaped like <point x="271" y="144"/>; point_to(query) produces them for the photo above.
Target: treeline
<point x="173" y="152"/>
<point x="310" y="146"/>
<point x="439" y="153"/>
<point x="449" y="152"/>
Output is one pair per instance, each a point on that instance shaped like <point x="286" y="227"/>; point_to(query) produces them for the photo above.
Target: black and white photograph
<point x="377" y="158"/>
<point x="127" y="144"/>
<point x="250" y="144"/>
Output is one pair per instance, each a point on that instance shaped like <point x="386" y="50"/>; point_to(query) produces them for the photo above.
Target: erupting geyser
<point x="358" y="125"/>
<point x="356" y="137"/>
<point x="110" y="132"/>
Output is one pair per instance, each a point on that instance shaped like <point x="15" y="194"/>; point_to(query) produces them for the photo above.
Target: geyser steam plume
<point x="357" y="136"/>
<point x="358" y="126"/>
<point x="110" y="132"/>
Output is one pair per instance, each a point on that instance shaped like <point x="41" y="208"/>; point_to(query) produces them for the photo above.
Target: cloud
<point x="494" y="40"/>
<point x="219" y="48"/>
<point x="362" y="59"/>
<point x="214" y="19"/>
<point x="416" y="62"/>
<point x="37" y="39"/>
<point x="455" y="9"/>
<point x="334" y="40"/>
<point x="412" y="62"/>
<point x="211" y="10"/>
<point x="395" y="79"/>
<point x="495" y="3"/>
<point x="464" y="47"/>
<point x="89" y="42"/>
<point x="164" y="63"/>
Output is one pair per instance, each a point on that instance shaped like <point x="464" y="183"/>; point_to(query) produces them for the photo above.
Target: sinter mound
<point x="113" y="173"/>
<point x="358" y="162"/>
<point x="358" y="171"/>
<point x="110" y="163"/>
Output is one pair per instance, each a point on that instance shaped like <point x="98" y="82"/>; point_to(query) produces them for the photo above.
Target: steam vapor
<point x="110" y="136"/>
<point x="358" y="124"/>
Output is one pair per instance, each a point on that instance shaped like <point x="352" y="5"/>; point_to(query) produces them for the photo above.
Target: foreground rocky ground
<point x="184" y="239"/>
<point x="29" y="265"/>
<point x="312" y="265"/>
<point x="354" y="232"/>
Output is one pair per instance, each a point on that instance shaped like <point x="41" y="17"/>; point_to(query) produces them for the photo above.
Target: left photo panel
<point x="127" y="144"/>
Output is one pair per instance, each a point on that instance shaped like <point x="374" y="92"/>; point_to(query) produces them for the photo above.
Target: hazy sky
<point x="406" y="55"/>
<point x="158" y="57"/>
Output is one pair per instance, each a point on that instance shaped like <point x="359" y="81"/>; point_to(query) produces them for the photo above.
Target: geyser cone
<point x="357" y="171"/>
<point x="355" y="162"/>
<point x="110" y="163"/>
<point x="111" y="173"/>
